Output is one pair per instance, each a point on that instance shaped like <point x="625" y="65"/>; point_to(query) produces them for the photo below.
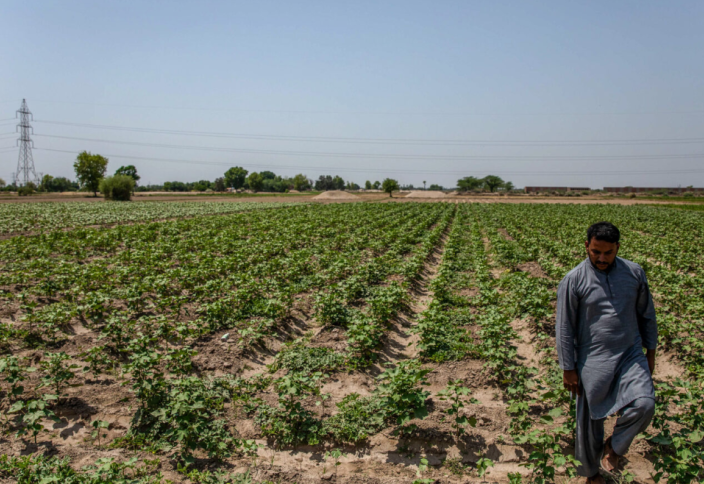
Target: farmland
<point x="43" y="217"/>
<point x="358" y="342"/>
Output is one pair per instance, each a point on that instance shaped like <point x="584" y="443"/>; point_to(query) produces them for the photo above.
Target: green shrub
<point x="358" y="418"/>
<point x="298" y="357"/>
<point x="117" y="187"/>
<point x="398" y="398"/>
<point x="290" y="423"/>
<point x="28" y="189"/>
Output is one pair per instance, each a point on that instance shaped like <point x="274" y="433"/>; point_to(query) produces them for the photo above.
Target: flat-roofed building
<point x="677" y="190"/>
<point x="555" y="189"/>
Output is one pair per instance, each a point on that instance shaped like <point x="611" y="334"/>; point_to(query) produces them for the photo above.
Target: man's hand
<point x="650" y="356"/>
<point x="571" y="381"/>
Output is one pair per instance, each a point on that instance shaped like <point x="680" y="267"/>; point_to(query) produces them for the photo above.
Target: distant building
<point x="677" y="190"/>
<point x="555" y="189"/>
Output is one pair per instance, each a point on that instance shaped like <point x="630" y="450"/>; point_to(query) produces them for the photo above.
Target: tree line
<point x="91" y="177"/>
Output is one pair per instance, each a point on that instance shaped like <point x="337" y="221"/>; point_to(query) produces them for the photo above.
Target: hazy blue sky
<point x="442" y="70"/>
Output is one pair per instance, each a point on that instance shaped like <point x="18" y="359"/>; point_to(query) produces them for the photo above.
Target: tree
<point x="58" y="184"/>
<point x="508" y="186"/>
<point x="117" y="187"/>
<point x="351" y="186"/>
<point x="129" y="171"/>
<point x="2" y="183"/>
<point x="435" y="187"/>
<point x="469" y="183"/>
<point x="301" y="182"/>
<point x="492" y="182"/>
<point x="276" y="184"/>
<point x="389" y="186"/>
<point x="201" y="185"/>
<point x="268" y="175"/>
<point x="423" y="184"/>
<point x="90" y="169"/>
<point x="367" y="185"/>
<point x="376" y="185"/>
<point x="235" y="177"/>
<point x="219" y="185"/>
<point x="327" y="182"/>
<point x="255" y="181"/>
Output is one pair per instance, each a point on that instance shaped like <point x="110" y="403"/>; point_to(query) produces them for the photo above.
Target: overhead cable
<point x="381" y="170"/>
<point x="409" y="141"/>
<point x="395" y="156"/>
<point x="375" y="113"/>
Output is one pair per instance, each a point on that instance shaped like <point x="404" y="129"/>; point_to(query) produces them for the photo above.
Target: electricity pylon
<point x="25" y="162"/>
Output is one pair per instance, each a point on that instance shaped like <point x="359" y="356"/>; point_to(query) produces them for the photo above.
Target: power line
<point x="376" y="113"/>
<point x="393" y="156"/>
<point x="406" y="171"/>
<point x="418" y="141"/>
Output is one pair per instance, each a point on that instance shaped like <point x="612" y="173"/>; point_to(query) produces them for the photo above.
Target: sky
<point x="555" y="93"/>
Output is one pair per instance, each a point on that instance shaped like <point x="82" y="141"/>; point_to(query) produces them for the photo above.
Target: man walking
<point x="605" y="317"/>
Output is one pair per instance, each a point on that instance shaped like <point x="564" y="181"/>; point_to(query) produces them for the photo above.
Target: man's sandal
<point x="613" y="473"/>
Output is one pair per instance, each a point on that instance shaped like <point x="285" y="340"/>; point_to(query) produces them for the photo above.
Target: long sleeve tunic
<point x="604" y="320"/>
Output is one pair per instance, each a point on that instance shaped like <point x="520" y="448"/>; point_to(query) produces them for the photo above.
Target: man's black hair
<point x="604" y="231"/>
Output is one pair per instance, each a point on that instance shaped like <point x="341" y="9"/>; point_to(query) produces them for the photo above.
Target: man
<point x="605" y="317"/>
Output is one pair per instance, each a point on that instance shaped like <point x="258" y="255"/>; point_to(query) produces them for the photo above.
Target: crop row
<point x="476" y="301"/>
<point x="42" y="217"/>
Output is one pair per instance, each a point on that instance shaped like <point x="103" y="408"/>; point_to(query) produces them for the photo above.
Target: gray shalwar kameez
<point x="604" y="320"/>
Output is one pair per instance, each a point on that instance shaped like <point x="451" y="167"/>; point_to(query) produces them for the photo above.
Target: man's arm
<point x="647" y="324"/>
<point x="565" y="329"/>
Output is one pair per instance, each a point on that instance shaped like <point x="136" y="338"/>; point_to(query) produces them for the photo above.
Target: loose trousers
<point x="633" y="419"/>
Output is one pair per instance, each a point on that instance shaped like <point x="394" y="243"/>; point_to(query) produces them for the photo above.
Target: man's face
<point x="601" y="253"/>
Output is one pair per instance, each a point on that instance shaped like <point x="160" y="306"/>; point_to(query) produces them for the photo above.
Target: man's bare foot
<point x="610" y="460"/>
<point x="597" y="479"/>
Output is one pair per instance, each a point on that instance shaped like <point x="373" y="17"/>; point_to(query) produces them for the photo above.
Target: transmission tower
<point x="25" y="162"/>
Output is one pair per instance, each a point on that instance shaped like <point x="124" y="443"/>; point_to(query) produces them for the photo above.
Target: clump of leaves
<point x="400" y="393"/>
<point x="188" y="416"/>
<point x="358" y="418"/>
<point x="298" y="357"/>
<point x="422" y="467"/>
<point x="57" y="373"/>
<point x="179" y="361"/>
<point x="547" y="454"/>
<point x="679" y="432"/>
<point x="330" y="308"/>
<point x="290" y="423"/>
<point x="455" y="466"/>
<point x="218" y="477"/>
<point x="398" y="399"/>
<point x="454" y="392"/>
<point x="97" y="426"/>
<point x="483" y="465"/>
<point x="14" y="373"/>
<point x="98" y="360"/>
<point x="335" y="455"/>
<point x="33" y="411"/>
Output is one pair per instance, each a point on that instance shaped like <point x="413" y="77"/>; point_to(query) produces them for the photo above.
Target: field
<point x="364" y="342"/>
